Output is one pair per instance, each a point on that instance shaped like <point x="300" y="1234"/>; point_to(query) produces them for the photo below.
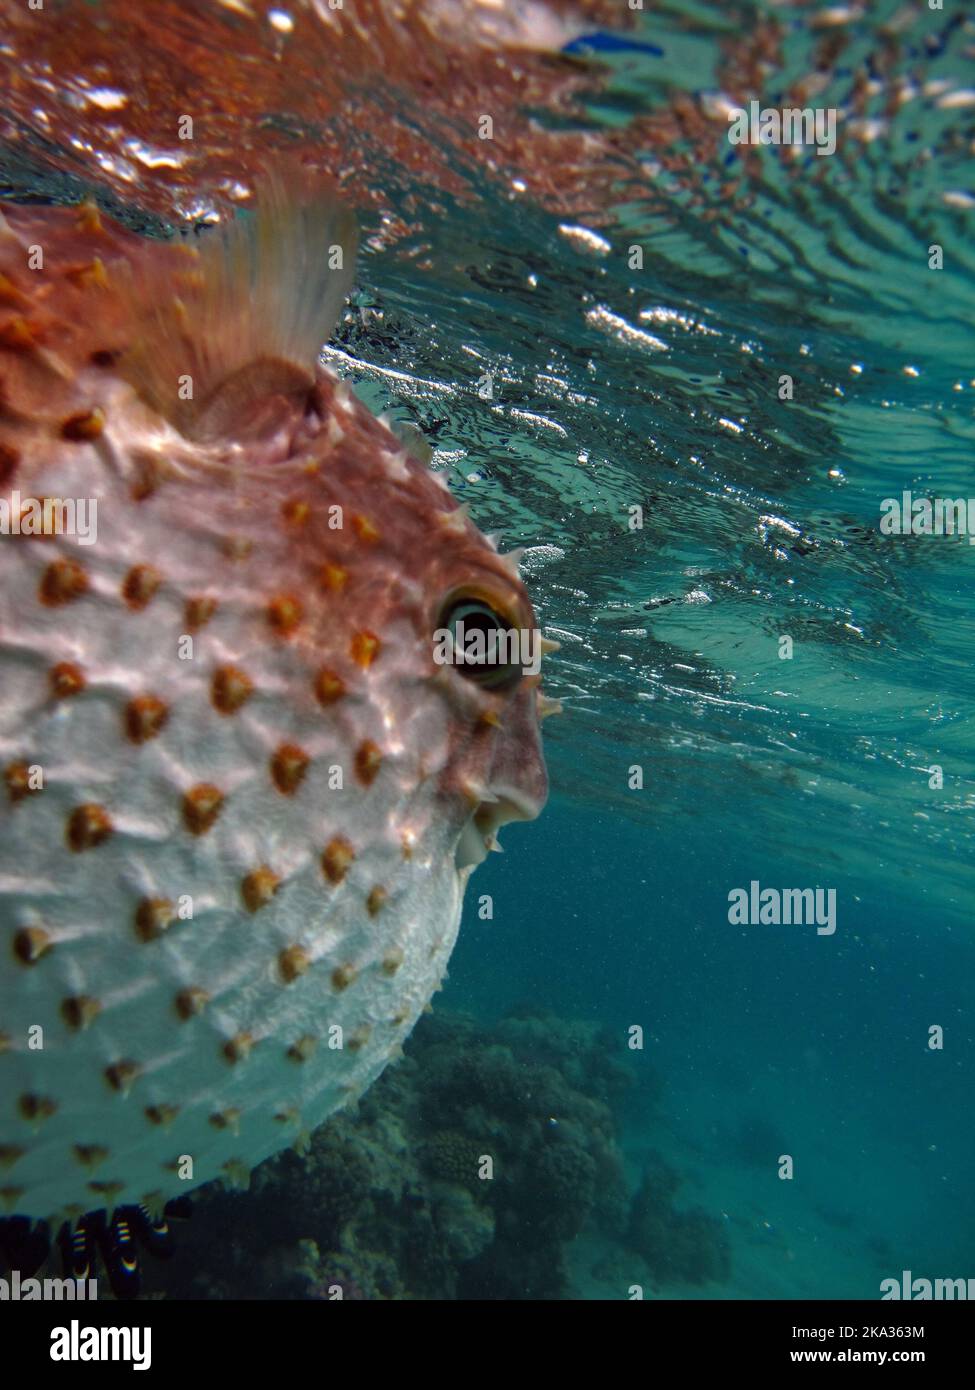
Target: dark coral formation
<point x="470" y="1170"/>
<point x="316" y="1194"/>
<point x="453" y="1156"/>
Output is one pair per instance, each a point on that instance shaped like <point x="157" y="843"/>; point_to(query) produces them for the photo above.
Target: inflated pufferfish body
<point x="240" y="797"/>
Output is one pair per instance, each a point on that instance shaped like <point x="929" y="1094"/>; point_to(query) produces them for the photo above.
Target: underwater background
<point x="693" y="757"/>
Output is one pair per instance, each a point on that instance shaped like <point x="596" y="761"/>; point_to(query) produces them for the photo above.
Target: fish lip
<point x="507" y="804"/>
<point x="479" y="833"/>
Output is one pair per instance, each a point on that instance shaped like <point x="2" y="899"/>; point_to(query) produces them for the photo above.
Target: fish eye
<point x="484" y="644"/>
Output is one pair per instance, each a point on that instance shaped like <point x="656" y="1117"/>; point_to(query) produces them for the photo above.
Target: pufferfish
<point x="240" y="800"/>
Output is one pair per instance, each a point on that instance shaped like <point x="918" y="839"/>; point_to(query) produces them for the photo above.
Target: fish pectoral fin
<point x="254" y="401"/>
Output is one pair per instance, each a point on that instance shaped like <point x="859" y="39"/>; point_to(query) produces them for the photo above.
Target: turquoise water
<point x="761" y="520"/>
<point x="659" y="388"/>
<point x="770" y="1040"/>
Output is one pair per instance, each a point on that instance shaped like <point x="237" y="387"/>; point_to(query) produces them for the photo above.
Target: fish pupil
<point x="482" y="643"/>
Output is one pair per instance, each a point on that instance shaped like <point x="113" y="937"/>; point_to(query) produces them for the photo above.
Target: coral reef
<point x="466" y="1171"/>
<point x="453" y="1157"/>
<point x="315" y="1195"/>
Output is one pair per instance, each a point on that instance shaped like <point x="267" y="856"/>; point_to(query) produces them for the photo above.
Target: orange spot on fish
<point x="88" y="826"/>
<point x="239" y="1048"/>
<point x="62" y="582"/>
<point x="236" y="547"/>
<point x="337" y="858"/>
<point x="83" y="427"/>
<point x="199" y="611"/>
<point x="333" y="578"/>
<point x="153" y="916"/>
<point x="89" y="218"/>
<point x="226" y="1119"/>
<point x="90" y="1155"/>
<point x="80" y="1011"/>
<point x="145" y="717"/>
<point x="122" y="1076"/>
<point x="148" y="475"/>
<point x="139" y="586"/>
<point x="201" y="807"/>
<point x="35" y="1108"/>
<point x="368" y="760"/>
<point x="293" y="962"/>
<point x="392" y="961"/>
<point x="66" y="680"/>
<point x="30" y="944"/>
<point x="231" y="689"/>
<point x="161" y="1114"/>
<point x="17" y="778"/>
<point x="303" y="1049"/>
<point x="364" y="648"/>
<point x="284" y="614"/>
<point x="87" y="276"/>
<point x="376" y="900"/>
<point x="288" y="767"/>
<point x="328" y="687"/>
<point x="259" y="887"/>
<point x="342" y="976"/>
<point x="365" y="529"/>
<point x="190" y="1002"/>
<point x="296" y="511"/>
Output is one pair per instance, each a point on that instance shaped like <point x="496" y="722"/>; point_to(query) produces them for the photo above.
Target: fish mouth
<point x="479" y="836"/>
